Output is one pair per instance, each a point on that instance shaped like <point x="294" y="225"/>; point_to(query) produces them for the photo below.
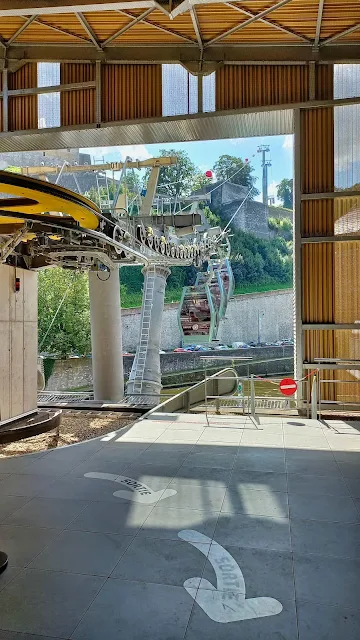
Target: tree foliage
<point x="285" y="192"/>
<point x="282" y="227"/>
<point x="177" y="179"/>
<point x="237" y="170"/>
<point x="70" y="332"/>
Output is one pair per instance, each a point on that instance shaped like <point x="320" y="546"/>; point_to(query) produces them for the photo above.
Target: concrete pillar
<point x="18" y="342"/>
<point x="105" y="316"/>
<point x="145" y="376"/>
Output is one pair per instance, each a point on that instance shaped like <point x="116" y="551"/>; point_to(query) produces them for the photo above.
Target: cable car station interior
<point x="209" y="516"/>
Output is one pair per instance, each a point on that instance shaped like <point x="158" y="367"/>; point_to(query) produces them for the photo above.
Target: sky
<point x="204" y="154"/>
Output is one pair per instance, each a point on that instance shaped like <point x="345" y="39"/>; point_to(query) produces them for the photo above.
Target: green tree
<point x="70" y="331"/>
<point x="236" y="171"/>
<point x="285" y="192"/>
<point x="282" y="227"/>
<point x="199" y="181"/>
<point x="178" y="179"/>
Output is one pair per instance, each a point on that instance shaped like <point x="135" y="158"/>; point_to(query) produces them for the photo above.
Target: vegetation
<point x="258" y="264"/>
<point x="70" y="331"/>
<point x="285" y="192"/>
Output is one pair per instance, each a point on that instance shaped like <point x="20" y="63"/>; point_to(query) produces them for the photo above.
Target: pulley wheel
<point x="3" y="561"/>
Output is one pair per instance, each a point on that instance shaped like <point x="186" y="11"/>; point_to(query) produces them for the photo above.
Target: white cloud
<point x="288" y="142"/>
<point x="236" y="141"/>
<point x="134" y="151"/>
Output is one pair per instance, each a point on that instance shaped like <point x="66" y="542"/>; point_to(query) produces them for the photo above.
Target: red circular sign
<point x="288" y="386"/>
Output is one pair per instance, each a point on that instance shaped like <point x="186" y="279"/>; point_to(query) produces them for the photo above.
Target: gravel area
<point x="75" y="427"/>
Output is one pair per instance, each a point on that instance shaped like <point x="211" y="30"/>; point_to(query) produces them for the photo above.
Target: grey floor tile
<point x="23" y="544"/>
<point x="352" y="483"/>
<point x="47" y="512"/>
<point x="104" y="517"/>
<point x="325" y="580"/>
<point x="180" y="435"/>
<point x="99" y="467"/>
<point x="15" y="464"/>
<point x="9" y="504"/>
<point x="330" y="508"/>
<point x="241" y="499"/>
<point x="201" y="476"/>
<point x="318" y="443"/>
<point x="257" y="459"/>
<point x="201" y="498"/>
<point x="22" y="485"/>
<point x="266" y="573"/>
<point x="3" y="476"/>
<point x="165" y="523"/>
<point x="83" y="552"/>
<point x="71" y="488"/>
<point x="11" y="635"/>
<point x="252" y="532"/>
<point x="161" y="561"/>
<point x="319" y="622"/>
<point x="119" y="452"/>
<point x="221" y="434"/>
<point x="156" y="476"/>
<point x="216" y="448"/>
<point x="326" y="538"/>
<point x="46" y="602"/>
<point x="259" y="480"/>
<point x="209" y="459"/>
<point x="277" y="627"/>
<point x="317" y="485"/>
<point x="49" y="466"/>
<point x="8" y="575"/>
<point x="350" y="469"/>
<point x="352" y="457"/>
<point x="311" y="463"/>
<point x="263" y="439"/>
<point x="136" y="611"/>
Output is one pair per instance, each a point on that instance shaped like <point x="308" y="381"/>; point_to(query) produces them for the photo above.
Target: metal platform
<point x="85" y="400"/>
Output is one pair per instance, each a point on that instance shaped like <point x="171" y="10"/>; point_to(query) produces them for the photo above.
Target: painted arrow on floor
<point x="139" y="492"/>
<point x="226" y="602"/>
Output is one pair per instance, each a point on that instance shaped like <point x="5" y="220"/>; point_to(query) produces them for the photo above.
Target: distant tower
<point x="264" y="149"/>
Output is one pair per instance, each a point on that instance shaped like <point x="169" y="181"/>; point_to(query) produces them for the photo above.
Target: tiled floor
<point x="162" y="532"/>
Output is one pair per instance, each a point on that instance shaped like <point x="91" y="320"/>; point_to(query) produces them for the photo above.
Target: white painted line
<point x="139" y="492"/>
<point x="226" y="602"/>
<point x="109" y="436"/>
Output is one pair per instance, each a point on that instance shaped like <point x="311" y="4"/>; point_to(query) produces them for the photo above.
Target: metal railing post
<point x="252" y="396"/>
<point x="314" y="399"/>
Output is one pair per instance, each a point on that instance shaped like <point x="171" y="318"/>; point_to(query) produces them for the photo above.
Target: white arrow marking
<point x="139" y="492"/>
<point x="226" y="602"/>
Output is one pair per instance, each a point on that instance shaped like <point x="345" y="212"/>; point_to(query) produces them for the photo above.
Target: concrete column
<point x="105" y="315"/>
<point x="145" y="376"/>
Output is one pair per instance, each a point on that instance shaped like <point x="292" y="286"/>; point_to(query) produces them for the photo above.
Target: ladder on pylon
<point x="102" y="184"/>
<point x="141" y="354"/>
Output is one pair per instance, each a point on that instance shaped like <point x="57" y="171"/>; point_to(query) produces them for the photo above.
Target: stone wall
<point x="76" y="373"/>
<point x="273" y="309"/>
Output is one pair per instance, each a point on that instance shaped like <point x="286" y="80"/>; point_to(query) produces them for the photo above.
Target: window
<point x="179" y="91"/>
<point x="346" y="127"/>
<point x="48" y="103"/>
<point x="209" y="93"/>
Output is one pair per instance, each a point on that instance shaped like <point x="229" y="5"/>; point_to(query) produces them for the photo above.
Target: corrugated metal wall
<point x="23" y="113"/>
<point x="317" y="219"/>
<point x="241" y="86"/>
<point x="130" y="91"/>
<point x="77" y="107"/>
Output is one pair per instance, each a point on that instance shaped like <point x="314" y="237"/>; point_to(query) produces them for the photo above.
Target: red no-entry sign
<point x="288" y="386"/>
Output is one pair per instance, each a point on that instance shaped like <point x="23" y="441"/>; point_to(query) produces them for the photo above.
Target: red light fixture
<point x="209" y="173"/>
<point x="17" y="285"/>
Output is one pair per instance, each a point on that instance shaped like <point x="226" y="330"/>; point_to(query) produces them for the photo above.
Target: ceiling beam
<point x="49" y="7"/>
<point x="60" y="30"/>
<point x="271" y="23"/>
<point x="160" y="28"/>
<point x="196" y="26"/>
<point x="24" y="26"/>
<point x="340" y="35"/>
<point x="319" y="23"/>
<point x="186" y="5"/>
<point x="87" y="28"/>
<point x="178" y="52"/>
<point x="128" y="26"/>
<point x="238" y="27"/>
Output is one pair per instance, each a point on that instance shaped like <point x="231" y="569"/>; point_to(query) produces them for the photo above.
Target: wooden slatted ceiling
<point x="298" y="15"/>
